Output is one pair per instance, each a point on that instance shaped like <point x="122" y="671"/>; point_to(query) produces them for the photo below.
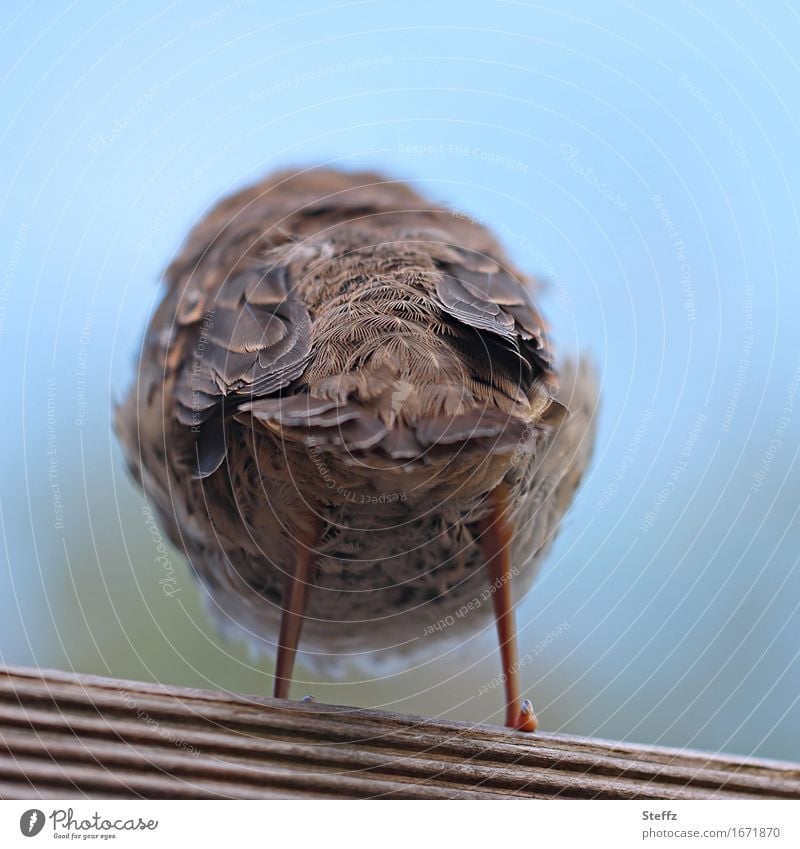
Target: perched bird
<point x="349" y="417"/>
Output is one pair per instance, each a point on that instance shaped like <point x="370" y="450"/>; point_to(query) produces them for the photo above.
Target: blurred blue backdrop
<point x="641" y="158"/>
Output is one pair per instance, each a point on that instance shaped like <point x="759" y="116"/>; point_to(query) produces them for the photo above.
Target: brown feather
<point x="326" y="337"/>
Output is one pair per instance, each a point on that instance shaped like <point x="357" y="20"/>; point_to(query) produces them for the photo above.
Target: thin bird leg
<point x="295" y="599"/>
<point x="496" y="534"/>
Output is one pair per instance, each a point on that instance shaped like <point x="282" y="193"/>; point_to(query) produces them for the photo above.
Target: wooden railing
<point x="77" y="736"/>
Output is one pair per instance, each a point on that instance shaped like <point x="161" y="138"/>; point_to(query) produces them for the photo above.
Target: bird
<point x="349" y="416"/>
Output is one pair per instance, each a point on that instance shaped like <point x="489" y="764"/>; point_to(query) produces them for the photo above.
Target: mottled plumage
<point x="339" y="364"/>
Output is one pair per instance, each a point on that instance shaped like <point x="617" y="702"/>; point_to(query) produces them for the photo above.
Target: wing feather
<point x="251" y="338"/>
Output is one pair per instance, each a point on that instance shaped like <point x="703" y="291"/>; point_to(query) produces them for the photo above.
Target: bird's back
<point x="332" y="344"/>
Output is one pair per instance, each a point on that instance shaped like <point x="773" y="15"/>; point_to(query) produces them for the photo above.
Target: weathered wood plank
<point x="72" y="736"/>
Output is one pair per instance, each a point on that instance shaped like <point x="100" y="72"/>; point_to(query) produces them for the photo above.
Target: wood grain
<point x="75" y="736"/>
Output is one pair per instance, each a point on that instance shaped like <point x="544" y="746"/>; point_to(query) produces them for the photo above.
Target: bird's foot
<point x="523" y="719"/>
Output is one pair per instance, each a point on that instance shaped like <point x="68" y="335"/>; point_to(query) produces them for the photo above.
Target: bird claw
<point x="524" y="719"/>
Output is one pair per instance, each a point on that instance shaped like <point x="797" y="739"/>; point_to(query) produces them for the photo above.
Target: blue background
<point x="641" y="157"/>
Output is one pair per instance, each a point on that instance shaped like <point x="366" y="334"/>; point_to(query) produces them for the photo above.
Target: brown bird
<point x="348" y="416"/>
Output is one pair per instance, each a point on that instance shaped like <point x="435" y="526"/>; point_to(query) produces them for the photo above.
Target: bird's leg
<point x="496" y="534"/>
<point x="295" y="599"/>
